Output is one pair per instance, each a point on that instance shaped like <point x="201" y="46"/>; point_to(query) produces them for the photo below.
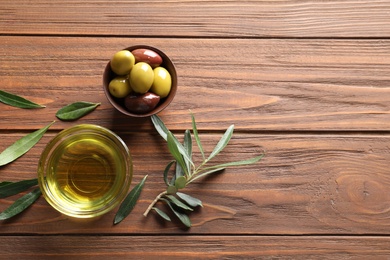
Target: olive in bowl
<point x="140" y="81"/>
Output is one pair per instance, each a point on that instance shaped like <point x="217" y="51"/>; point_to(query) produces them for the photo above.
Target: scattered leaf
<point x="16" y="187"/>
<point x="22" y="146"/>
<point x="193" y="202"/>
<point x="162" y="214"/>
<point x="4" y="183"/>
<point x="17" y="101"/>
<point x="128" y="204"/>
<point x="76" y="110"/>
<point x="20" y="204"/>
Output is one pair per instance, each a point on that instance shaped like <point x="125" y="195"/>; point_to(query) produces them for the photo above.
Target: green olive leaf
<point x="163" y="131"/>
<point x="162" y="214"/>
<point x="188" y="148"/>
<point x="222" y="142"/>
<point x="203" y="174"/>
<point x="178" y="173"/>
<point x="236" y="163"/>
<point x="16" y="187"/>
<point x="76" y="110"/>
<point x="21" y="204"/>
<point x="181" y="216"/>
<point x="166" y="171"/>
<point x="174" y="150"/>
<point x="129" y="202"/>
<point x="17" y="101"/>
<point x="196" y="135"/>
<point x="22" y="146"/>
<point x="178" y="203"/>
<point x="3" y="183"/>
<point x="193" y="202"/>
<point x="160" y="126"/>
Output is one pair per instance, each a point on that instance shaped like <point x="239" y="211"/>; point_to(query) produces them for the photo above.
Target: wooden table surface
<point x="306" y="81"/>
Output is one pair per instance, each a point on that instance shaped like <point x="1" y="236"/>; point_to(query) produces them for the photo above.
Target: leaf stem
<point x="154" y="202"/>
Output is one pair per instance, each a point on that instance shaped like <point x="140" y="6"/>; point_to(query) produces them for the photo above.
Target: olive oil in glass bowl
<point x="85" y="171"/>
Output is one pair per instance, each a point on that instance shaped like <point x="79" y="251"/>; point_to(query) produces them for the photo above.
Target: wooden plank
<point x="307" y="184"/>
<point x="263" y="84"/>
<point x="194" y="247"/>
<point x="296" y="18"/>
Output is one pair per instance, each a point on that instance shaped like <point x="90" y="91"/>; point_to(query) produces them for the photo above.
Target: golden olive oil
<point x="84" y="172"/>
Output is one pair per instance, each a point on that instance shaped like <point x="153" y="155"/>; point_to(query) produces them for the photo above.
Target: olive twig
<point x="154" y="202"/>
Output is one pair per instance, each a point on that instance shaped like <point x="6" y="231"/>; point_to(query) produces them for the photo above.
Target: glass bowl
<point x="85" y="171"/>
<point x="118" y="103"/>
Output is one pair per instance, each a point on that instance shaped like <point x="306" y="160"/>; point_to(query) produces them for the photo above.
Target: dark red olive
<point x="148" y="56"/>
<point x="141" y="103"/>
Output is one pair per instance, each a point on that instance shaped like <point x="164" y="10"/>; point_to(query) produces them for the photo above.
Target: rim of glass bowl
<point x="77" y="130"/>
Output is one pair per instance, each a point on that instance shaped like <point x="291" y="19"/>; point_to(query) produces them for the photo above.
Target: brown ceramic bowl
<point x="108" y="75"/>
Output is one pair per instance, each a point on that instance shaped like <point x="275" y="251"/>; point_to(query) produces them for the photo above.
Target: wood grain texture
<point x="305" y="81"/>
<point x="306" y="184"/>
<point x="295" y="18"/>
<point x="259" y="85"/>
<point x="194" y="247"/>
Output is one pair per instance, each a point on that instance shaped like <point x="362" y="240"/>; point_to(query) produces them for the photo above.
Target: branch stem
<point x="154" y="202"/>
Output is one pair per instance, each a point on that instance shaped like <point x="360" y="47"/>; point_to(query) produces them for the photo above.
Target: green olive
<point x="122" y="62"/>
<point x="141" y="77"/>
<point x="119" y="87"/>
<point x="162" y="82"/>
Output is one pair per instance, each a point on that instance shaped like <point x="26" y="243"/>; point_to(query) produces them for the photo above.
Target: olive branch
<point x="185" y="170"/>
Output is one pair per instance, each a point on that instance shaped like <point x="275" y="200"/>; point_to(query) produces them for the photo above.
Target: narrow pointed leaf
<point x="174" y="150"/>
<point x="196" y="135"/>
<point x="201" y="175"/>
<point x="162" y="214"/>
<point x="179" y="172"/>
<point x="22" y="146"/>
<point x="181" y="216"/>
<point x="236" y="163"/>
<point x="16" y="187"/>
<point x="188" y="148"/>
<point x="193" y="202"/>
<point x="163" y="131"/>
<point x="76" y="110"/>
<point x="128" y="204"/>
<point x="178" y="203"/>
<point x="222" y="142"/>
<point x="3" y="183"/>
<point x="17" y="101"/>
<point x="160" y="126"/>
<point x="166" y="171"/>
<point x="20" y="204"/>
